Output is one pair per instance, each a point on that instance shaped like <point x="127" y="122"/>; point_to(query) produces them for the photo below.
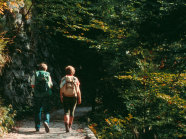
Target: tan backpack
<point x="69" y="89"/>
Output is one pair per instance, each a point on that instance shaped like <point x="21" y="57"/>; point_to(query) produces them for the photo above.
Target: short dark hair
<point x="70" y="70"/>
<point x="43" y="66"/>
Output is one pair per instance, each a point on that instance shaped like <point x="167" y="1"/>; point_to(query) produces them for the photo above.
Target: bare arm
<point x="50" y="82"/>
<point x="79" y="95"/>
<point x="33" y="81"/>
<point x="61" y="95"/>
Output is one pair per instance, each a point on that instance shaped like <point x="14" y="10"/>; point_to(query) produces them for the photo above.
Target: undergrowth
<point x="7" y="115"/>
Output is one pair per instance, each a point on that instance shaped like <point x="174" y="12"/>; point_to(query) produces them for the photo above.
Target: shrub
<point x="7" y="115"/>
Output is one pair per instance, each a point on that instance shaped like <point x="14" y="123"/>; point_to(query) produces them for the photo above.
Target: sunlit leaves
<point x="3" y="6"/>
<point x="115" y="127"/>
<point x="7" y="115"/>
<point x="92" y="128"/>
<point x="3" y="57"/>
<point x="131" y="36"/>
<point x="159" y="81"/>
<point x="10" y="5"/>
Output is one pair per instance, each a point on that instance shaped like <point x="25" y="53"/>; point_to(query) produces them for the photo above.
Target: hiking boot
<point x="46" y="127"/>
<point x="67" y="127"/>
<point x="70" y="127"/>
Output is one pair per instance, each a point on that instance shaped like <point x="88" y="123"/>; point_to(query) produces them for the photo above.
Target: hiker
<point x="41" y="83"/>
<point x="70" y="95"/>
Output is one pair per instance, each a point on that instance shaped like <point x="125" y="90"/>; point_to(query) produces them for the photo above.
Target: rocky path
<point x="25" y="128"/>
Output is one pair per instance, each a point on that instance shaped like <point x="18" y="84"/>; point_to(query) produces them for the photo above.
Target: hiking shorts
<point x="69" y="104"/>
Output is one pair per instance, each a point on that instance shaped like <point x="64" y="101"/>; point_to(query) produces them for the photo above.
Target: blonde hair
<point x="70" y="70"/>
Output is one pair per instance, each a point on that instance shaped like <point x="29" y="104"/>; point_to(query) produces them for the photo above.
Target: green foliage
<point x="3" y="57"/>
<point x="151" y="108"/>
<point x="117" y="128"/>
<point x="7" y="115"/>
<point x="142" y="40"/>
<point x="129" y="56"/>
<point x="151" y="50"/>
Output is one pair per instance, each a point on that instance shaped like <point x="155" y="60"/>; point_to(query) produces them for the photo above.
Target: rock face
<point x="16" y="75"/>
<point x="31" y="46"/>
<point x="16" y="78"/>
<point x="24" y="57"/>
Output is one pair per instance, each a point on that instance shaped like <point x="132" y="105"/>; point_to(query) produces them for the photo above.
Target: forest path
<point x="24" y="129"/>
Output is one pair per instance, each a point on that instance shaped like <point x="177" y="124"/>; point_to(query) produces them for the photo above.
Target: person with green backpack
<point x="41" y="83"/>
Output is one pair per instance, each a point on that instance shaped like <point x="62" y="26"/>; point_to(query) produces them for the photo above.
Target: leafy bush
<point x="7" y="115"/>
<point x="154" y="105"/>
<point x="106" y="125"/>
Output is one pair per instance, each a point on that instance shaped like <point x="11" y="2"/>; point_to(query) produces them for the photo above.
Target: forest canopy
<point x="129" y="55"/>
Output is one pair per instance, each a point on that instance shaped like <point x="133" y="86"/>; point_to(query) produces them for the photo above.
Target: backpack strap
<point x="74" y="82"/>
<point x="36" y="73"/>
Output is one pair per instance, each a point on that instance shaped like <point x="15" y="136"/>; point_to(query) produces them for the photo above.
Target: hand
<point x="79" y="101"/>
<point x="61" y="95"/>
<point x="61" y="99"/>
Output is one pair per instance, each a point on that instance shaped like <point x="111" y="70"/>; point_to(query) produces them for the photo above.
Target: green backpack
<point x="42" y="88"/>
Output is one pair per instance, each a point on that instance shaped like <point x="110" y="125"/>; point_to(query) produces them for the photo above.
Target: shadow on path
<point x="25" y="128"/>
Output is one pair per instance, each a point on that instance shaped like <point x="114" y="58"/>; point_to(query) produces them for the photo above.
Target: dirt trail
<point x="25" y="128"/>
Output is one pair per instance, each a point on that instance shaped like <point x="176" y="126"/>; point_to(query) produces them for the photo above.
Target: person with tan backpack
<point x="70" y="95"/>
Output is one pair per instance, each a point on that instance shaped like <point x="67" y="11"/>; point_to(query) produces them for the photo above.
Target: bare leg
<point x="71" y="121"/>
<point x="66" y="121"/>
